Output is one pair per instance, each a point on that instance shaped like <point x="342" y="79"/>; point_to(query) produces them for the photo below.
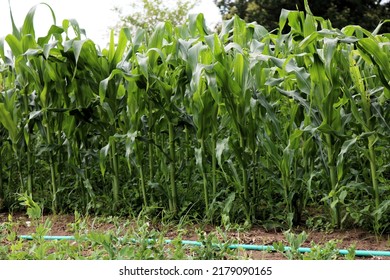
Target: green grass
<point x="132" y="240"/>
<point x="115" y="238"/>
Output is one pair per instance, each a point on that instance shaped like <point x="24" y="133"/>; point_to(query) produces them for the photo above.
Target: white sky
<point x="94" y="16"/>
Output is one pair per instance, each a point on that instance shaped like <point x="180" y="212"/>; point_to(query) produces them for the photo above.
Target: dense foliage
<point x="246" y="125"/>
<point x="146" y="14"/>
<point x="366" y="13"/>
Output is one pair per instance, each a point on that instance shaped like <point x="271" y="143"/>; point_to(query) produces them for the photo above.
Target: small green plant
<point x="351" y="253"/>
<point x="295" y="241"/>
<point x="34" y="211"/>
<point x="42" y="230"/>
<point x="40" y="247"/>
<point x="319" y="224"/>
<point x="179" y="251"/>
<point x="8" y="230"/>
<point x="328" y="251"/>
<point x="80" y="225"/>
<point x="212" y="247"/>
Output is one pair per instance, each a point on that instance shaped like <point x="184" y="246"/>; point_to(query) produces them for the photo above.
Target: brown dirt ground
<point x="362" y="240"/>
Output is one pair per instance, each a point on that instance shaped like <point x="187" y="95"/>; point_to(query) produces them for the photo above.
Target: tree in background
<point x="147" y="14"/>
<point x="366" y="13"/>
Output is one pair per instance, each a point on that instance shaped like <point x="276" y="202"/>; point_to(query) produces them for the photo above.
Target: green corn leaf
<point x="54" y="31"/>
<point x="107" y="108"/>
<point x="383" y="209"/>
<point x="28" y="25"/>
<point x="76" y="28"/>
<point x="330" y="45"/>
<point x="340" y="158"/>
<point x="303" y="78"/>
<point x="33" y="52"/>
<point x="111" y="48"/>
<point x="240" y="71"/>
<point x="28" y="42"/>
<point x="103" y="85"/>
<point x="47" y="48"/>
<point x="15" y="30"/>
<point x="356" y="76"/>
<point x="199" y="158"/>
<point x="197" y="25"/>
<point x="8" y="122"/>
<point x="377" y="29"/>
<point x="228" y="203"/>
<point x="240" y="32"/>
<point x="193" y="56"/>
<point x="328" y="129"/>
<point x="2" y="53"/>
<point x="222" y="145"/>
<point x="213" y="86"/>
<point x="43" y="96"/>
<point x="234" y="46"/>
<point x="227" y="26"/>
<point x="310" y="25"/>
<point x="124" y="36"/>
<point x="296" y="21"/>
<point x="156" y="57"/>
<point x="103" y="158"/>
<point x="296" y="96"/>
<point x="310" y="39"/>
<point x="143" y="64"/>
<point x="156" y="39"/>
<point x="378" y="57"/>
<point x="78" y="46"/>
<point x="283" y="19"/>
<point x="15" y="45"/>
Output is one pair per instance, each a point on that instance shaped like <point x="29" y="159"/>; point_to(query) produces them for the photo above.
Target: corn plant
<point x="245" y="125"/>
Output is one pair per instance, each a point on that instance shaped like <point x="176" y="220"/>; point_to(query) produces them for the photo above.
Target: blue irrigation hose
<point x="360" y="253"/>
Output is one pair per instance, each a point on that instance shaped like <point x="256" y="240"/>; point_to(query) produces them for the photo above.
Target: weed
<point x="295" y="251"/>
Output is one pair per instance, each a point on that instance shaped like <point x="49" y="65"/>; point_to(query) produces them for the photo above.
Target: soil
<point x="257" y="235"/>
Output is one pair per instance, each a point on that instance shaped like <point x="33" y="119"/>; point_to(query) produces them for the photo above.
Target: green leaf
<point x="14" y="44"/>
<point x="240" y="71"/>
<point x="340" y="158"/>
<point x="199" y="158"/>
<point x="124" y="36"/>
<point x="222" y="145"/>
<point x="8" y="123"/>
<point x="343" y="195"/>
<point x="47" y="48"/>
<point x="303" y="78"/>
<point x="28" y="25"/>
<point x="156" y="39"/>
<point x="143" y="65"/>
<point x="240" y="32"/>
<point x="330" y="45"/>
<point x="283" y="19"/>
<point x="15" y="30"/>
<point x="379" y="57"/>
<point x="2" y="54"/>
<point x="78" y="46"/>
<point x="103" y="157"/>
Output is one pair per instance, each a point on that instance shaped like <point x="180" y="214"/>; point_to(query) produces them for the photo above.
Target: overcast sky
<point x="96" y="21"/>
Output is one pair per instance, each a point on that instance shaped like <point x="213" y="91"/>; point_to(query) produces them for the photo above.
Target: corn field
<point x="244" y="125"/>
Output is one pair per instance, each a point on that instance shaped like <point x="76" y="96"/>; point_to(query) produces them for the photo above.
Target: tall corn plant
<point x="268" y="120"/>
<point x="23" y="44"/>
<point x="204" y="95"/>
<point x="328" y="96"/>
<point x="369" y="70"/>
